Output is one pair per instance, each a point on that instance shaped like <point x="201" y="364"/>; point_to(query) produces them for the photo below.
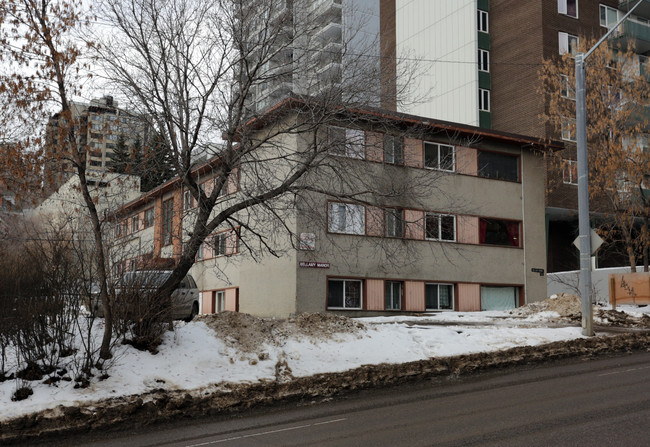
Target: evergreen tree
<point x="156" y="163"/>
<point x="121" y="159"/>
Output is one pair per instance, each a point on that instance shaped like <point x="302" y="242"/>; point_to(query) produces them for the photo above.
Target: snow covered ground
<point x="195" y="357"/>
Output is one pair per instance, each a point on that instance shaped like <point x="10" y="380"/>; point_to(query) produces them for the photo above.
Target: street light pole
<point x="584" y="227"/>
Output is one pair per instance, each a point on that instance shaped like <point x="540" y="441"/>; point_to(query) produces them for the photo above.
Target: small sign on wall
<point x="540" y="271"/>
<point x="314" y="265"/>
<point x="307" y="241"/>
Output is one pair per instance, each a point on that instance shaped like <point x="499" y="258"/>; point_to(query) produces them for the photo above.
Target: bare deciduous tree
<point x="617" y="93"/>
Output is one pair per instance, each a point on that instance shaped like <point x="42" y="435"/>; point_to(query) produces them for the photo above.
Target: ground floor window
<point x="439" y="296"/>
<point x="499" y="298"/>
<point x="394" y="292"/>
<point x="344" y="293"/>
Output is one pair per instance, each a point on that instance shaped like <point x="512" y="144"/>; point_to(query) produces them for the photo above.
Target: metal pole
<point x="583" y="198"/>
<point x="584" y="228"/>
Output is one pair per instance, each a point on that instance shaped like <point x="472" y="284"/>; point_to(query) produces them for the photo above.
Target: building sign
<point x="307" y="241"/>
<point x="314" y="265"/>
<point x="540" y="271"/>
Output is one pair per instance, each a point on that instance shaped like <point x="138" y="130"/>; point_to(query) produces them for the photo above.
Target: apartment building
<point x="474" y="239"/>
<point x="311" y="47"/>
<point x="99" y="124"/>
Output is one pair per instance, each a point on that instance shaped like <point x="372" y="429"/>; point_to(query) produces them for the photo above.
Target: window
<point x="135" y="224"/>
<point x="568" y="129"/>
<point x="393" y="149"/>
<point x="393" y="296"/>
<point x="439" y="156"/>
<point x="346" y="142"/>
<point x="219" y="244"/>
<point x="394" y="222"/>
<point x="148" y="217"/>
<point x="199" y="252"/>
<point x="499" y="232"/>
<point x="609" y="16"/>
<point x="439" y="296"/>
<point x="346" y="218"/>
<point x="483" y="100"/>
<point x="344" y="293"/>
<point x="187" y="200"/>
<point x="220" y="301"/>
<point x="498" y="166"/>
<point x="570" y="172"/>
<point x="440" y="227"/>
<point x="567" y="88"/>
<point x="482" y="21"/>
<point x="568" y="7"/>
<point x="499" y="298"/>
<point x="95" y="162"/>
<point x="568" y="43"/>
<point x="483" y="60"/>
<point x="167" y="221"/>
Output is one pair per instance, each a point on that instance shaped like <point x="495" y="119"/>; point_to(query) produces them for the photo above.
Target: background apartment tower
<point x="99" y="126"/>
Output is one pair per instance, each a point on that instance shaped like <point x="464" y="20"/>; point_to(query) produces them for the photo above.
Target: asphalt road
<point x="602" y="402"/>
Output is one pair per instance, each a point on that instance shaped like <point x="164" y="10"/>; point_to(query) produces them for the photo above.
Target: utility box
<point x="629" y="288"/>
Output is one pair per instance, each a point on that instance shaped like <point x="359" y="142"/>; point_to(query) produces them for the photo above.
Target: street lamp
<point x="583" y="185"/>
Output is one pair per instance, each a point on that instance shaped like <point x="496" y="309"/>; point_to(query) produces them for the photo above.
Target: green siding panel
<point x="484" y="80"/>
<point x="483" y="40"/>
<point x="485" y="120"/>
<point x="484" y="5"/>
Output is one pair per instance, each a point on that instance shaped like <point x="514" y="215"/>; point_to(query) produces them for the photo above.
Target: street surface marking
<point x="270" y="432"/>
<point x="621" y="372"/>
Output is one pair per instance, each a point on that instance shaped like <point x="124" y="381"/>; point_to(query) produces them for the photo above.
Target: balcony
<point x="635" y="32"/>
<point x="326" y="10"/>
<point x="642" y="11"/>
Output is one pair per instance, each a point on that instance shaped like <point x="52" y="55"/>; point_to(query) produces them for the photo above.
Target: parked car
<point x="184" y="299"/>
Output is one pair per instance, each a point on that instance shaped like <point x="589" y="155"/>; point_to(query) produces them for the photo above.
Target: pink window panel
<point x="414" y="294"/>
<point x="413" y="153"/>
<point x="206" y="301"/>
<point x="231" y="300"/>
<point x="467" y="229"/>
<point x="374" y="221"/>
<point x="231" y="243"/>
<point x="374" y="146"/>
<point x="374" y="294"/>
<point x="232" y="184"/>
<point x="466" y="161"/>
<point x="469" y="297"/>
<point x="414" y="220"/>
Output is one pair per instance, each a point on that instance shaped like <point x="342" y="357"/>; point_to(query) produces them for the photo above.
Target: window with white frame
<point x="609" y="16"/>
<point x="346" y="142"/>
<point x="149" y="215"/>
<point x="483" y="60"/>
<point x="393" y="149"/>
<point x="219" y="244"/>
<point x="344" y="293"/>
<point x="439" y="296"/>
<point x="568" y="129"/>
<point x="394" y="218"/>
<point x="568" y="7"/>
<point x="135" y="223"/>
<point x="483" y="100"/>
<point x="440" y="227"/>
<point x="393" y="295"/>
<point x="199" y="252"/>
<point x="187" y="200"/>
<point x="439" y="156"/>
<point x="482" y="21"/>
<point x="570" y="172"/>
<point x="167" y="221"/>
<point x="567" y="88"/>
<point x="346" y="218"/>
<point x="568" y="43"/>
